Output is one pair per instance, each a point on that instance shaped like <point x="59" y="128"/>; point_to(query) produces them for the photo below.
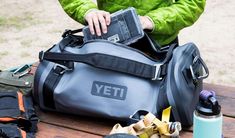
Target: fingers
<point x="102" y="23"/>
<point x="107" y="17"/>
<point x="97" y="25"/>
<point x="142" y="22"/>
<point x="97" y="21"/>
<point x="90" y="24"/>
<point x="146" y="22"/>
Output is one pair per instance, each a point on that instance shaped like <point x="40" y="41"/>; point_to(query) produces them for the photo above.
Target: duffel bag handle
<point x="197" y="76"/>
<point x="71" y="32"/>
<point x="114" y="63"/>
<point x="70" y="39"/>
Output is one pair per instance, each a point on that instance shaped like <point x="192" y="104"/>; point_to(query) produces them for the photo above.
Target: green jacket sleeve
<point x="77" y="8"/>
<point x="171" y="19"/>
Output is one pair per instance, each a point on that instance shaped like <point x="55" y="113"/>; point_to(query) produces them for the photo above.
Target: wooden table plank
<point x="52" y="131"/>
<point x="226" y="91"/>
<point x="227" y="105"/>
<point x="85" y="124"/>
<point x="184" y="134"/>
<point x="228" y="127"/>
<point x="225" y="96"/>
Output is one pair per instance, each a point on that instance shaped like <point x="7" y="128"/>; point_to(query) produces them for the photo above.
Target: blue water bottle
<point x="207" y="122"/>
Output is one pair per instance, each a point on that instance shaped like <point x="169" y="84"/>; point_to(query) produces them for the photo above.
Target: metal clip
<point x="21" y="71"/>
<point x="63" y="67"/>
<point x="157" y="72"/>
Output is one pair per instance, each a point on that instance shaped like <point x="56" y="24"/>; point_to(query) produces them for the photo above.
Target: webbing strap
<point x="150" y="126"/>
<point x="49" y="86"/>
<point x="166" y="114"/>
<point x="104" y="61"/>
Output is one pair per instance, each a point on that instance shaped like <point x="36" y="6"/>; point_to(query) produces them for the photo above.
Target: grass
<point x="222" y="72"/>
<point x="26" y="43"/>
<point x="2" y="67"/>
<point x="18" y="22"/>
<point x="3" y="40"/>
<point x="3" y="53"/>
<point x="24" y="55"/>
<point x="56" y="31"/>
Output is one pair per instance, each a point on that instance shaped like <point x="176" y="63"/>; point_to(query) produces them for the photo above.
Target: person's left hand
<point x="146" y="23"/>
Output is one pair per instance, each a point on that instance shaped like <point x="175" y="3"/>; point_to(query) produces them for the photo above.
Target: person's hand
<point x="98" y="20"/>
<point x="146" y="23"/>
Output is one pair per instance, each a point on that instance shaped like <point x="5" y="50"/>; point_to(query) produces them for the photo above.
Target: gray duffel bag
<point x="110" y="80"/>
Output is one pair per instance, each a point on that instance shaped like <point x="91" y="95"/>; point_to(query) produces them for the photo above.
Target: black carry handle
<point x="114" y="63"/>
<point x="71" y="32"/>
<point x="70" y="39"/>
<point x="103" y="61"/>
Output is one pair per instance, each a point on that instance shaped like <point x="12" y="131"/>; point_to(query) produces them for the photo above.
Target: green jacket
<point x="169" y="16"/>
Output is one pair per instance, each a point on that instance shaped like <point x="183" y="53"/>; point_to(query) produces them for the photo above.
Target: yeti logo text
<point x="109" y="90"/>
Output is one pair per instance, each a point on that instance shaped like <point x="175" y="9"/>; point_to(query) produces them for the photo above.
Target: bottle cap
<point x="208" y="105"/>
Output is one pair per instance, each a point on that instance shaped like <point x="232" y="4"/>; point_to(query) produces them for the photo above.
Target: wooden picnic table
<point x="58" y="125"/>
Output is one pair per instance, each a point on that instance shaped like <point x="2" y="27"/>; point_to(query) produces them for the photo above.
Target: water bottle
<point x="207" y="117"/>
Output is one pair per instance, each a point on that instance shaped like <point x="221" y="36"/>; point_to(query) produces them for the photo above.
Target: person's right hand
<point x="98" y="20"/>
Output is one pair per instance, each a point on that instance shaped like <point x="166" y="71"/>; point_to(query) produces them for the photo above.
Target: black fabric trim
<point x="31" y="114"/>
<point x="49" y="85"/>
<point x="9" y="105"/>
<point x="9" y="131"/>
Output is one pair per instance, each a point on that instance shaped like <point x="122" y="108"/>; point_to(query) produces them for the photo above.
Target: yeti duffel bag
<point x="111" y="80"/>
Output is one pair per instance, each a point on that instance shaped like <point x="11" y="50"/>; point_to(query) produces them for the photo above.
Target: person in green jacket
<point x="163" y="19"/>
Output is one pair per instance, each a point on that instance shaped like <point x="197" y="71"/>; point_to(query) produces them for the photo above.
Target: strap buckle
<point x="157" y="75"/>
<point x="64" y="68"/>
